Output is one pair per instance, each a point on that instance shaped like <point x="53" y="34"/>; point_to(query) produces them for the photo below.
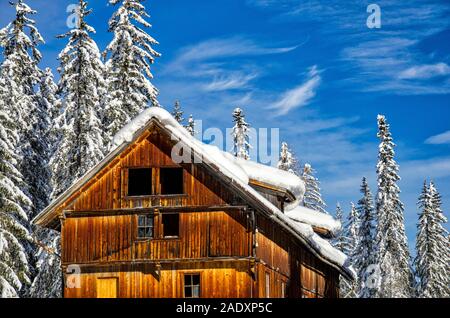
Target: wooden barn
<point x="143" y="223"/>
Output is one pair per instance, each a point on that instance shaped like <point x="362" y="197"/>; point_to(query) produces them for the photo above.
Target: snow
<point x="273" y="176"/>
<point x="210" y="154"/>
<point x="324" y="247"/>
<point x="239" y="171"/>
<point x="235" y="168"/>
<point x="305" y="215"/>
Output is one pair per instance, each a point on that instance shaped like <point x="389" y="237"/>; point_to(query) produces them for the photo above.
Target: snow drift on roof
<point x="239" y="173"/>
<point x="235" y="168"/>
<point x="324" y="247"/>
<point x="273" y="176"/>
<point x="321" y="220"/>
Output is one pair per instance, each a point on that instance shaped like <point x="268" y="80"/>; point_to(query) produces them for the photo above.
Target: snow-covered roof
<point x="316" y="219"/>
<point x="237" y="172"/>
<point x="273" y="176"/>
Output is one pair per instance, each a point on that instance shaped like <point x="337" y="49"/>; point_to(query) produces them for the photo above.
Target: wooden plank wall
<point x="95" y="239"/>
<point x="283" y="257"/>
<point x="218" y="279"/>
<point x="109" y="189"/>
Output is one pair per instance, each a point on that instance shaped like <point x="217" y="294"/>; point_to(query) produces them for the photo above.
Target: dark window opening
<point x="145" y="226"/>
<point x="139" y="182"/>
<point x="171" y="225"/>
<point x="192" y="285"/>
<point x="171" y="180"/>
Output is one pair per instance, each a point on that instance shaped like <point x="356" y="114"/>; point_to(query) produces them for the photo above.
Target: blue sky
<point x="311" y="68"/>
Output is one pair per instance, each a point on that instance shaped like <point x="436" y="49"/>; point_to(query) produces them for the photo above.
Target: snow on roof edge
<point x="274" y="176"/>
<point x="127" y="134"/>
<point x="321" y="220"/>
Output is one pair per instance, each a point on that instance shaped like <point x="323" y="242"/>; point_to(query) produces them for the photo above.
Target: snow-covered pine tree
<point x="48" y="99"/>
<point x="128" y="68"/>
<point x="36" y="166"/>
<point x="178" y="113"/>
<point x="365" y="253"/>
<point x="47" y="282"/>
<point x="20" y="40"/>
<point x="81" y="145"/>
<point x="312" y="198"/>
<point x="14" y="203"/>
<point x="351" y="239"/>
<point x="443" y="234"/>
<point x="287" y="160"/>
<point x="240" y="133"/>
<point x="190" y="127"/>
<point x="19" y="75"/>
<point x="337" y="241"/>
<point x="431" y="263"/>
<point x="393" y="259"/>
<point x="342" y="243"/>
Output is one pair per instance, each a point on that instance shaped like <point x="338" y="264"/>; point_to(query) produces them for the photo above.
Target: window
<point x="267" y="285"/>
<point x="145" y="226"/>
<point x="139" y="181"/>
<point x="191" y="285"/>
<point x="171" y="225"/>
<point x="171" y="180"/>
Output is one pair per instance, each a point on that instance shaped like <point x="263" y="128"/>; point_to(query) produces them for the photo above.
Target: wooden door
<point x="107" y="287"/>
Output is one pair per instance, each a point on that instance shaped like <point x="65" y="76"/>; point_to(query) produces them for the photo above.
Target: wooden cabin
<point x="141" y="225"/>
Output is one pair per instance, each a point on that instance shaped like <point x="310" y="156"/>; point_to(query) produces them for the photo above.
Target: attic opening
<point x="139" y="181"/>
<point x="171" y="180"/>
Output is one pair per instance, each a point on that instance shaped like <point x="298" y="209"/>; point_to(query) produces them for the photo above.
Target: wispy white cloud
<point x="300" y="95"/>
<point x="221" y="48"/>
<point x="235" y="80"/>
<point x="439" y="139"/>
<point x="223" y="70"/>
<point x="433" y="168"/>
<point x="387" y="60"/>
<point x="425" y="71"/>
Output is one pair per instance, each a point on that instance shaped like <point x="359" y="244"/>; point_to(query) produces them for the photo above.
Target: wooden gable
<point x="107" y="190"/>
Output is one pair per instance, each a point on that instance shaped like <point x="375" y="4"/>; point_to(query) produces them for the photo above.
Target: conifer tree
<point x="14" y="204"/>
<point x="287" y="160"/>
<point x="351" y="239"/>
<point x="36" y="167"/>
<point x="393" y="258"/>
<point x="431" y="263"/>
<point x="81" y="143"/>
<point x="178" y="113"/>
<point x="312" y="198"/>
<point x="20" y="40"/>
<point x="190" y="127"/>
<point x="48" y="281"/>
<point x="20" y="195"/>
<point x="240" y="133"/>
<point x="337" y="241"/>
<point x="128" y="69"/>
<point x="365" y="253"/>
<point x="343" y="243"/>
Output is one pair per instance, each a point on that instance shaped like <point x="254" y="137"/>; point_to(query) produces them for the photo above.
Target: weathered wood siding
<point x="101" y="239"/>
<point x="217" y="279"/>
<point x="282" y="257"/>
<point x="108" y="190"/>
